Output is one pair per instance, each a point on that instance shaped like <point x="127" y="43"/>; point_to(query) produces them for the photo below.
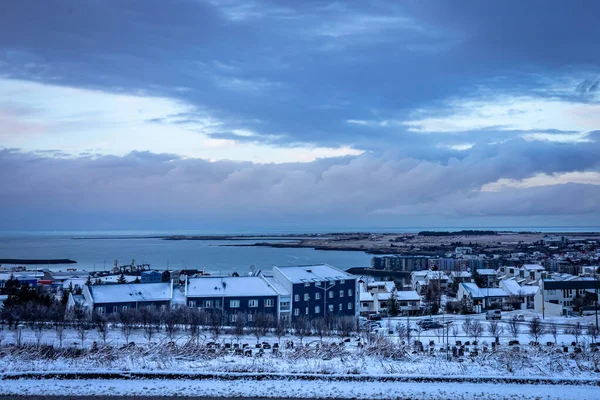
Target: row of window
<point x="115" y="309"/>
<point x="318" y="309"/>
<point x="324" y="283"/>
<point x="232" y="303"/>
<point x="318" y="295"/>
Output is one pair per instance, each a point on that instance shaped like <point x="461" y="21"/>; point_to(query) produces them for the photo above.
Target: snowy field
<point x="320" y="389"/>
<point x="376" y="354"/>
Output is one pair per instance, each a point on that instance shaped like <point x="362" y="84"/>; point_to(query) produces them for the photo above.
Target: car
<point x="374" y="317"/>
<point x="425" y="321"/>
<point x="431" y="325"/>
<point x="493" y="314"/>
<point x="520" y="317"/>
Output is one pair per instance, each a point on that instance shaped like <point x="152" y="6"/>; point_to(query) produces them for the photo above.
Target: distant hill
<point x="457" y="233"/>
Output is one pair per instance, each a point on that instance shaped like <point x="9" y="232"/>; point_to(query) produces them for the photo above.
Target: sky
<point x="206" y="114"/>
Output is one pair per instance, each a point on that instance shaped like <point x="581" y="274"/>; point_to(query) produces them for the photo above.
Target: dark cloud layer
<point x="164" y="190"/>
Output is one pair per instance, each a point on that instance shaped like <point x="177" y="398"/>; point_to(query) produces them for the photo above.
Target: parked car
<point x="431" y="325"/>
<point x="493" y="314"/>
<point x="425" y="321"/>
<point x="374" y="317"/>
<point x="520" y="317"/>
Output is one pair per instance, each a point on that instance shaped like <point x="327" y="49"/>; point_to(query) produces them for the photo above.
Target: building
<point x="151" y="277"/>
<point x="248" y="295"/>
<point x="489" y="277"/>
<point x="400" y="263"/>
<point x="110" y="299"/>
<point x="480" y="299"/>
<point x="524" y="294"/>
<point x="556" y="297"/>
<point x="319" y="290"/>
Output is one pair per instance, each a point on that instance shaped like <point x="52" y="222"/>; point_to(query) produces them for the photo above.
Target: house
<point x="151" y="277"/>
<point x="319" y="290"/>
<point x="30" y="278"/>
<point x="489" y="277"/>
<point x="521" y="295"/>
<point x="560" y="297"/>
<point x="110" y="299"/>
<point x="456" y="277"/>
<point x="366" y="302"/>
<point x="232" y="295"/>
<point x="409" y="302"/>
<point x="480" y="299"/>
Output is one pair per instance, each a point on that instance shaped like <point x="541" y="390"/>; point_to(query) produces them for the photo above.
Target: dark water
<point x="99" y="254"/>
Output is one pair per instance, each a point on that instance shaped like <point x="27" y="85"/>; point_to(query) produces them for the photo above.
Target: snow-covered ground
<point x="381" y="354"/>
<point x="320" y="389"/>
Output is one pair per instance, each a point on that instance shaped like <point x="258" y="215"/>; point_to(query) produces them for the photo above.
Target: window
<point x="317" y="296"/>
<point x="350" y="306"/>
<point x="268" y="302"/>
<point x="192" y="303"/>
<point x="306" y="296"/>
<point x="349" y="292"/>
<point x="331" y="294"/>
<point x="115" y="309"/>
<point x="284" y="305"/>
<point x="253" y="303"/>
<point x="249" y="318"/>
<point x="163" y="307"/>
<point x="306" y="284"/>
<point x="124" y="308"/>
<point x="217" y="303"/>
<point x="341" y="293"/>
<point x="317" y="309"/>
<point x="296" y="311"/>
<point x="330" y="307"/>
<point x="342" y="281"/>
<point x="318" y="283"/>
<point x="296" y="297"/>
<point x="306" y="311"/>
<point x="101" y="310"/>
<point x="232" y="318"/>
<point x="208" y="303"/>
<point x="340" y="307"/>
<point x="234" y="304"/>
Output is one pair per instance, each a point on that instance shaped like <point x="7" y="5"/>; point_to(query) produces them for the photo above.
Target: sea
<point x="100" y="250"/>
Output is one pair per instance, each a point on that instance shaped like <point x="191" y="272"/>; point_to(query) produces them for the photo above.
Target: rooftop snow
<point x="517" y="290"/>
<point x="486" y="271"/>
<point x="407" y="295"/>
<point x="533" y="267"/>
<point x="310" y="273"/>
<point x="228" y="286"/>
<point x="128" y="292"/>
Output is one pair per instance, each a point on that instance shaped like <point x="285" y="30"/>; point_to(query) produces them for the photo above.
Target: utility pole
<point x="596" y="302"/>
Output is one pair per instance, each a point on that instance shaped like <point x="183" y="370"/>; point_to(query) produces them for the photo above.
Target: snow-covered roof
<point x="365" y="296"/>
<point x="229" y="286"/>
<point x="115" y="278"/>
<point x="387" y="285"/>
<point x="129" y="292"/>
<point x="310" y="273"/>
<point x="486" y="271"/>
<point x="515" y="289"/>
<point x="407" y="295"/>
<point x="460" y="274"/>
<point x="472" y="289"/>
<point x="533" y="267"/>
<point x="383" y="296"/>
<point x="494" y="292"/>
<point x="276" y="285"/>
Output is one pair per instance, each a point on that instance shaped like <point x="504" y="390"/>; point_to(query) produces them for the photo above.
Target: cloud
<point x="367" y="188"/>
<point x="118" y="123"/>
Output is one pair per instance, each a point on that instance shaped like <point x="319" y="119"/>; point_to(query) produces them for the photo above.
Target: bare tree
<point x="345" y="326"/>
<point x="495" y="329"/>
<point x="171" y="320"/>
<point x="455" y="332"/>
<point x="18" y="335"/>
<point x="239" y="328"/>
<point x="261" y="323"/>
<point x="476" y="330"/>
<point x="215" y="321"/>
<point x="102" y="328"/>
<point x="194" y="320"/>
<point x="82" y="331"/>
<point x="319" y="326"/>
<point x="466" y="326"/>
<point x="301" y="328"/>
<point x="553" y="330"/>
<point x="401" y="331"/>
<point x="280" y="329"/>
<point x="38" y="331"/>
<point x="127" y="323"/>
<point x="513" y="327"/>
<point x="535" y="328"/>
<point x="592" y="331"/>
<point x="576" y="330"/>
